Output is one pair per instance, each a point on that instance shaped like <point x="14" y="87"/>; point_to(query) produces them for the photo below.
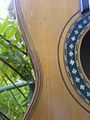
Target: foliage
<point x="15" y="66"/>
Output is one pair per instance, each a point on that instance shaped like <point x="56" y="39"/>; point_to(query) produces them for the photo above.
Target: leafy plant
<point x="17" y="81"/>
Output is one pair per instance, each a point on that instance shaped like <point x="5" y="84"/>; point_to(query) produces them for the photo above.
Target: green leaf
<point x="11" y="33"/>
<point x="4" y="26"/>
<point x="13" y="52"/>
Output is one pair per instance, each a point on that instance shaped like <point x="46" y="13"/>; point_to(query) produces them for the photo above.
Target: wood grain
<point x="45" y="20"/>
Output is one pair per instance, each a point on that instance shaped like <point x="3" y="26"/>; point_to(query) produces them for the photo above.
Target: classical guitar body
<point x="55" y="32"/>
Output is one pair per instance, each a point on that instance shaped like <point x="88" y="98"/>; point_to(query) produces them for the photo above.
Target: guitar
<point x="57" y="36"/>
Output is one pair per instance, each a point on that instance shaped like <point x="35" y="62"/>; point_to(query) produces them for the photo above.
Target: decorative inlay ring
<point x="71" y="57"/>
<point x="78" y="58"/>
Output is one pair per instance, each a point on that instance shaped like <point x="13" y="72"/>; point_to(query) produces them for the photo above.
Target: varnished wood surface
<point x="45" y="20"/>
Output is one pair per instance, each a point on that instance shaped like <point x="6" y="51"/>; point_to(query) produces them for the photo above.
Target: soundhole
<point x="85" y="54"/>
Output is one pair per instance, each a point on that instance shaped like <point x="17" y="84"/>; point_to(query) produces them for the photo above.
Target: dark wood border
<point x="35" y="60"/>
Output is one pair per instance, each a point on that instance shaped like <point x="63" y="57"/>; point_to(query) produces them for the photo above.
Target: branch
<point x="18" y="84"/>
<point x="5" y="117"/>
<point x="14" y="97"/>
<point x="12" y="68"/>
<point x="15" y="85"/>
<point x="13" y="45"/>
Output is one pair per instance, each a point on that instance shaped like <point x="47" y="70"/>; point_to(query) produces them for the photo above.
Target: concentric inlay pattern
<point x="72" y="65"/>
